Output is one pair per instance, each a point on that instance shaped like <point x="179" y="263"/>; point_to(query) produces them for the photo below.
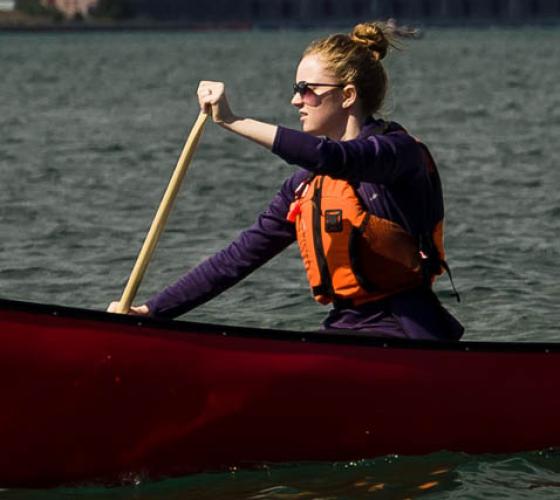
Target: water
<point x="91" y="126"/>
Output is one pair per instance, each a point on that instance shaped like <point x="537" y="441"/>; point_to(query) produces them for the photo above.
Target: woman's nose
<point x="297" y="101"/>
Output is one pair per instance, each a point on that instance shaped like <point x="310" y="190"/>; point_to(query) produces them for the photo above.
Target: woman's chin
<point x="308" y="128"/>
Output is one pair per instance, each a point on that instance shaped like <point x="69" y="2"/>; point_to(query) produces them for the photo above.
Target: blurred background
<point x="275" y="13"/>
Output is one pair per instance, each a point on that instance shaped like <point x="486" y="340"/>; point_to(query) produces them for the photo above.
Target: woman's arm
<point x="372" y="157"/>
<point x="212" y="99"/>
<point x="271" y="234"/>
<point x="379" y="158"/>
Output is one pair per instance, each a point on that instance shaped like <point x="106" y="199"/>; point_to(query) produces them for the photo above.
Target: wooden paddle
<point x="161" y="215"/>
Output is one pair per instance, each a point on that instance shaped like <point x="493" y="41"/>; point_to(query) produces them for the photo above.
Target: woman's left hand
<point x="212" y="98"/>
<point x="142" y="310"/>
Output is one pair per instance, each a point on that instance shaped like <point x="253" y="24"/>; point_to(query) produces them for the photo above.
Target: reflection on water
<point x="440" y="475"/>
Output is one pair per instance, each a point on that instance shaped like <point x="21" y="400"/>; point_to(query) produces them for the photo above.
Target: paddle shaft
<point x="161" y="216"/>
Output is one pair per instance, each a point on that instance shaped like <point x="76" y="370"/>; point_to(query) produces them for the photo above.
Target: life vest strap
<point x="326" y="280"/>
<point x="321" y="289"/>
<point x="353" y="253"/>
<point x="432" y="263"/>
<point x="448" y="271"/>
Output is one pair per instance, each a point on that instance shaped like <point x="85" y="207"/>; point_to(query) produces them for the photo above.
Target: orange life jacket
<point x="352" y="256"/>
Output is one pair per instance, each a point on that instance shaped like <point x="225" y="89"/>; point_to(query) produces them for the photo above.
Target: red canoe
<point x="94" y="397"/>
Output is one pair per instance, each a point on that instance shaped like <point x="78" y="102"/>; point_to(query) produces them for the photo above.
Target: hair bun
<point x="375" y="36"/>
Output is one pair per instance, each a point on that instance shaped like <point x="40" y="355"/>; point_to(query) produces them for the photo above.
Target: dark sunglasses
<point x="302" y="87"/>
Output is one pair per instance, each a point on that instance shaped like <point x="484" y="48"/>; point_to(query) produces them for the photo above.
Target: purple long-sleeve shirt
<point x="392" y="181"/>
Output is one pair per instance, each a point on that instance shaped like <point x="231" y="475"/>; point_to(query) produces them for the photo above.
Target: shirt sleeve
<point x="255" y="246"/>
<point x="382" y="159"/>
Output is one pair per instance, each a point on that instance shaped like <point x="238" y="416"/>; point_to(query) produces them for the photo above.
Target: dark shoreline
<point x="88" y="27"/>
<point x="124" y="27"/>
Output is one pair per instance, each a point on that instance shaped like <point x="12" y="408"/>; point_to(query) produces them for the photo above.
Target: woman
<point x="366" y="207"/>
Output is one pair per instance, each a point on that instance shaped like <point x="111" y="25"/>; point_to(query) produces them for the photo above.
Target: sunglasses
<point x="302" y="88"/>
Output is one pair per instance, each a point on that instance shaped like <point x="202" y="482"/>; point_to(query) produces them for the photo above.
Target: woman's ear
<point x="350" y="95"/>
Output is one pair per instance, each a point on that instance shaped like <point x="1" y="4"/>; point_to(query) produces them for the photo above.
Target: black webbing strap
<point x="326" y="281"/>
<point x="448" y="271"/>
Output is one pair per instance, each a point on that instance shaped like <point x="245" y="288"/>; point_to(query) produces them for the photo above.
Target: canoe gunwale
<point x="346" y="337"/>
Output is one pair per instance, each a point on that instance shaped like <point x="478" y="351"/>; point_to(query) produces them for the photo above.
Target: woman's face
<point x="320" y="108"/>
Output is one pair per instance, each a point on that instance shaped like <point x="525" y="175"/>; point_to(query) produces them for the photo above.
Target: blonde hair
<point x="356" y="58"/>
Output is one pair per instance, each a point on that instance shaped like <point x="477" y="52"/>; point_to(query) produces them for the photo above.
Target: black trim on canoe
<point x="340" y="337"/>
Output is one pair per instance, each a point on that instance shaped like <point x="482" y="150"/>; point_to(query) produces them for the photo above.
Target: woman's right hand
<point x="142" y="310"/>
<point x="212" y="99"/>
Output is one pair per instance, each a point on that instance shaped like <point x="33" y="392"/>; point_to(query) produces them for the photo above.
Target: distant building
<point x="71" y="8"/>
<point x="314" y="12"/>
<point x="7" y="5"/>
<point x="504" y="10"/>
<point x="301" y="11"/>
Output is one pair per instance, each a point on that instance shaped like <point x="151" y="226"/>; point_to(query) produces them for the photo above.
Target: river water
<point x="91" y="126"/>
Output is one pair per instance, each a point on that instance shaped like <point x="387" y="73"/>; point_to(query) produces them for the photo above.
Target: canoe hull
<point x="91" y="397"/>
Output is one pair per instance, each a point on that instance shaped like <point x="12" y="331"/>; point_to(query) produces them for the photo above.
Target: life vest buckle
<point x="333" y="221"/>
